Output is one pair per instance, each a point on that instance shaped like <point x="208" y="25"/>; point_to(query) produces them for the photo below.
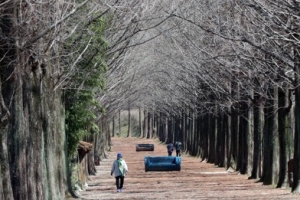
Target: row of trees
<point x="54" y="57"/>
<point x="220" y="75"/>
<point x="223" y="76"/>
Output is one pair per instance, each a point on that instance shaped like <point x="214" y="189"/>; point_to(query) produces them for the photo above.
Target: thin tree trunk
<point x="145" y="124"/>
<point x="205" y="141"/>
<point x="228" y="141"/>
<point x="140" y="123"/>
<point x="220" y="141"/>
<point x="113" y="127"/>
<point x="148" y="125"/>
<point x="211" y="138"/>
<point x="250" y="140"/>
<point x="129" y="123"/>
<point x="234" y="126"/>
<point x="275" y="139"/>
<point x="120" y="125"/>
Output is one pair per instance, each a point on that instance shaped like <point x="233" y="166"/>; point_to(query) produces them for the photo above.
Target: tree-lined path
<point x="196" y="180"/>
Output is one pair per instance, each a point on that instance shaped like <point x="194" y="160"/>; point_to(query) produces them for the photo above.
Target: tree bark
<point x="268" y="147"/>
<point x="257" y="136"/>
<point x="284" y="134"/>
<point x="129" y="123"/>
<point x="243" y="136"/>
<point x="234" y="126"/>
<point x="120" y="125"/>
<point x="140" y="123"/>
<point x="145" y="124"/>
<point x="275" y="139"/>
<point x="113" y="127"/>
<point x="211" y="138"/>
<point x="296" y="172"/>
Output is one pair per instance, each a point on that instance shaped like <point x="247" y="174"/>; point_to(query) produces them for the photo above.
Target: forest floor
<point x="196" y="180"/>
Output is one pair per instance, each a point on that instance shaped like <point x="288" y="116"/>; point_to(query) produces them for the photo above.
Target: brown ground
<point x="196" y="180"/>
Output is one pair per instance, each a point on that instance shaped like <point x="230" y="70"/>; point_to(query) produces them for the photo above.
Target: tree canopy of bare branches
<point x="213" y="71"/>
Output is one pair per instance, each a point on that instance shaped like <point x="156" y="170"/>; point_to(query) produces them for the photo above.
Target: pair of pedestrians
<point x="178" y="148"/>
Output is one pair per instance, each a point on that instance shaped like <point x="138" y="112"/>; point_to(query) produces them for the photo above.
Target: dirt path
<point x="196" y="180"/>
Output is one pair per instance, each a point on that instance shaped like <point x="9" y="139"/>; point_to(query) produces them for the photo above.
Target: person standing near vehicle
<point x="119" y="168"/>
<point x="178" y="147"/>
<point x="170" y="148"/>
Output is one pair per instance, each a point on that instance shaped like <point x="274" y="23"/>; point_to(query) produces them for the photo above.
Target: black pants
<point x="119" y="182"/>
<point x="178" y="152"/>
<point x="170" y="153"/>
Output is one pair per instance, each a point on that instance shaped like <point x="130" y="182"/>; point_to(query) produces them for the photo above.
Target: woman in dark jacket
<point x="170" y="149"/>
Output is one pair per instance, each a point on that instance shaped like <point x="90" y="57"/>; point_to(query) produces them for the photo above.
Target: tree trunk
<point x="284" y="134"/>
<point x="145" y="124"/>
<point x="184" y="130"/>
<point x="140" y="123"/>
<point x="113" y="127"/>
<point x="205" y="128"/>
<point x="211" y="137"/>
<point x="164" y="127"/>
<point x="148" y="133"/>
<point x="275" y="139"/>
<point x="296" y="172"/>
<point x="198" y="135"/>
<point x="220" y="143"/>
<point x="243" y="136"/>
<point x="194" y="135"/>
<point x="7" y="54"/>
<point x="234" y="126"/>
<point x="155" y="126"/>
<point x="120" y="125"/>
<point x="257" y="136"/>
<point x="129" y="123"/>
<point x="36" y="135"/>
<point x="228" y="141"/>
<point x="268" y="147"/>
<point x="250" y="139"/>
<point x="6" y="191"/>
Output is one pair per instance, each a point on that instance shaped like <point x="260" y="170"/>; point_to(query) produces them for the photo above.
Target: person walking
<point x="170" y="148"/>
<point x="178" y="148"/>
<point x="119" y="169"/>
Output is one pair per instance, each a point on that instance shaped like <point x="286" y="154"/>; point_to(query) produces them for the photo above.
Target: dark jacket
<point x="170" y="147"/>
<point x="178" y="146"/>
